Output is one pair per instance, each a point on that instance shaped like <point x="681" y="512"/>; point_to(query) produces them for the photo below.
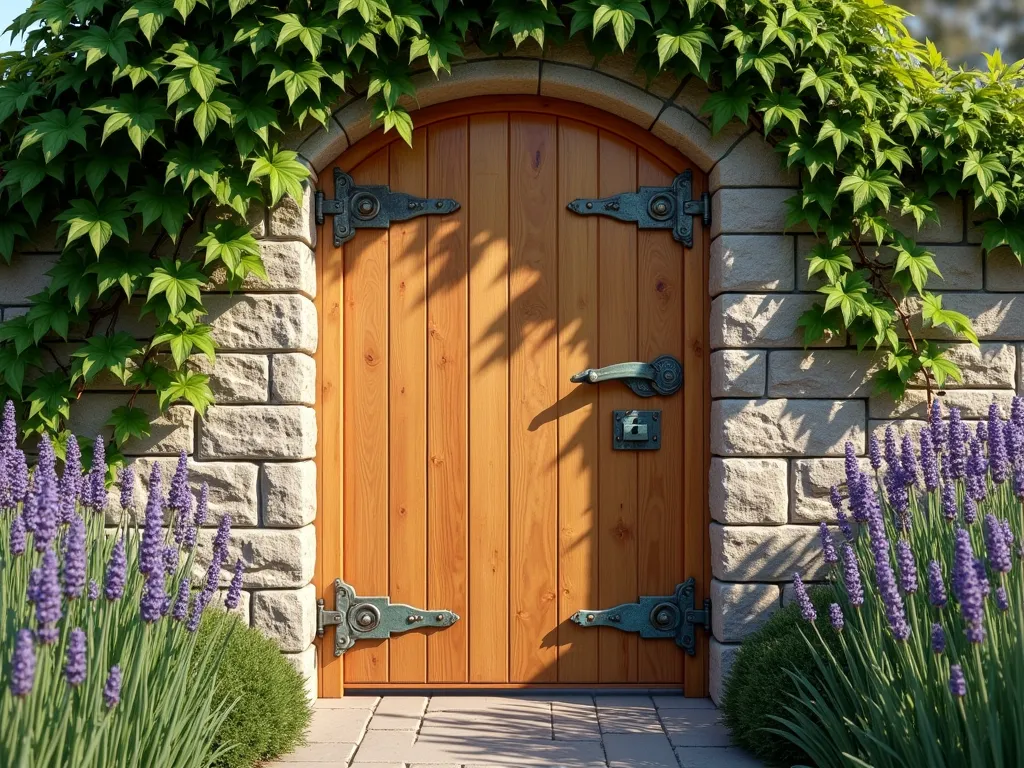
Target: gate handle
<point x="661" y="376"/>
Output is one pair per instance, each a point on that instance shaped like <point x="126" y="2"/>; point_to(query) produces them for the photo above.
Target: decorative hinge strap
<point x="364" y="618"/>
<point x="372" y="207"/>
<point x="654" y="207"/>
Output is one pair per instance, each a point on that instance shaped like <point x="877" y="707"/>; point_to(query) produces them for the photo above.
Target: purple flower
<point x="844" y="525"/>
<point x="874" y="453"/>
<point x="828" y="549"/>
<point x="908" y="461"/>
<point x="966" y="587"/>
<point x="170" y="560"/>
<point x="6" y="497"/>
<point x="222" y="537"/>
<point x="851" y="576"/>
<point x="70" y="480"/>
<point x="892" y="459"/>
<point x="94" y="488"/>
<point x="181" y="600"/>
<point x="8" y="430"/>
<point x="938" y="638"/>
<point x="996" y="545"/>
<point x="970" y="510"/>
<point x="936" y="586"/>
<point x="977" y="466"/>
<point x="999" y="459"/>
<point x="41" y="512"/>
<point x="835" y="498"/>
<point x="17" y="468"/>
<point x="126" y="480"/>
<point x="857" y="485"/>
<point x="180" y="500"/>
<point x="803" y="599"/>
<point x="1018" y="479"/>
<point x="75" y="668"/>
<point x="1002" y="599"/>
<point x="117" y="572"/>
<point x="189" y="538"/>
<point x="44" y="594"/>
<point x="949" y="508"/>
<point x="929" y="461"/>
<point x="957" y="683"/>
<point x="151" y="548"/>
<point x="908" y="568"/>
<point x="936" y="426"/>
<point x="835" y="615"/>
<point x="23" y="664"/>
<point x="154" y="595"/>
<point x="1017" y="410"/>
<point x="1008" y="534"/>
<point x="74" y="559"/>
<point x="957" y="444"/>
<point x="982" y="574"/>
<point x="18" y="534"/>
<point x="112" y="688"/>
<point x="235" y="589"/>
<point x="198" y="606"/>
<point x="981" y="432"/>
<point x="885" y="578"/>
<point x="94" y="590"/>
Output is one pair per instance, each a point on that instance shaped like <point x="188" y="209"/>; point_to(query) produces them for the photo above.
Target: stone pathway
<point x="563" y="731"/>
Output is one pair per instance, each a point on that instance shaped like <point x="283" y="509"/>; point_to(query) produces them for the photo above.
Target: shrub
<point x="931" y="598"/>
<point x="271" y="711"/>
<point x="100" y="664"/>
<point x="759" y="685"/>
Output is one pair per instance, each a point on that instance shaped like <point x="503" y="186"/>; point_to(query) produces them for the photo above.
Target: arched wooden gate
<point x="459" y="467"/>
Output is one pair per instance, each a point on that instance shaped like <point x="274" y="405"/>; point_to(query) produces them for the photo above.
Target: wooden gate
<point x="459" y="467"/>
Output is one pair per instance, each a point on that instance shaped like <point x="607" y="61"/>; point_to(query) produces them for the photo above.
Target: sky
<point x="8" y="10"/>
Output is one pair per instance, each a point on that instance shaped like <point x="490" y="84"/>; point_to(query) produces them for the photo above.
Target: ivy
<point x="147" y="130"/>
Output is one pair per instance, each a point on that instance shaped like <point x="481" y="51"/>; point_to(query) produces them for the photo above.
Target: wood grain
<point x="578" y="454"/>
<point x="447" y="382"/>
<point x="533" y="393"/>
<point x="488" y="398"/>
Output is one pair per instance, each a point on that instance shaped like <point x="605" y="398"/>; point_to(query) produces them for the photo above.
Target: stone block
<point x="738" y="373"/>
<point x="288" y="494"/>
<point x="987" y="366"/>
<point x="294" y="379"/>
<point x="232" y="486"/>
<point x="762" y="320"/>
<point x="274" y="559"/>
<point x="263" y="322"/>
<point x="973" y="403"/>
<point x="321" y="147"/>
<point x="288" y="617"/>
<point x="1003" y="271"/>
<point x="786" y="427"/>
<point x="290" y="267"/>
<point x="995" y="316"/>
<point x="242" y="610"/>
<point x="832" y="373"/>
<point x="485" y="77"/>
<point x="765" y="553"/>
<point x="24" y="276"/>
<point x="680" y="129"/>
<point x="810" y="483"/>
<point x="258" y="432"/>
<point x="170" y="432"/>
<point x="749" y="491"/>
<point x="912" y="427"/>
<point x="751" y="211"/>
<point x="948" y="229"/>
<point x="601" y="91"/>
<point x="293" y="219"/>
<point x="9" y="313"/>
<point x="623" y="66"/>
<point x="305" y="664"/>
<point x="789" y="591"/>
<point x="721" y="658"/>
<point x="751" y="263"/>
<point x="753" y="162"/>
<point x="738" y="610"/>
<point x="236" y="379"/>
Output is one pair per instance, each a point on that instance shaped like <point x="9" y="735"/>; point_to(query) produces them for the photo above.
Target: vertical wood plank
<point x="660" y="512"/>
<point x="533" y="393"/>
<point x="366" y="410"/>
<point x="488" y="399"/>
<point x="578" y="455"/>
<point x="617" y="514"/>
<point x="447" y="380"/>
<point x="408" y="401"/>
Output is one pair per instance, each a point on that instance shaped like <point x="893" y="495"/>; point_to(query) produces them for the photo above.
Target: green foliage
<point x="271" y="711"/>
<point x="759" y="685"/>
<point x="135" y="122"/>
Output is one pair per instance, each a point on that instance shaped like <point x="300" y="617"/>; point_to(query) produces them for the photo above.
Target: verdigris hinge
<point x="675" y="616"/>
<point x="364" y="618"/>
<point x="654" y="207"/>
<point x="372" y="207"/>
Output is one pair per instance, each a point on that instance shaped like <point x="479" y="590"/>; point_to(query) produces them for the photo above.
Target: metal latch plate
<point x="636" y="430"/>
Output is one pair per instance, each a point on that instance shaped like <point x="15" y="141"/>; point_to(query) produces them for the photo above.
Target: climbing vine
<point x="147" y="129"/>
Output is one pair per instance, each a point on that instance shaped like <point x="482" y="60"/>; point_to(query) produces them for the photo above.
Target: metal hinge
<point x="372" y="207"/>
<point x="675" y="616"/>
<point x="654" y="207"/>
<point x="364" y="618"/>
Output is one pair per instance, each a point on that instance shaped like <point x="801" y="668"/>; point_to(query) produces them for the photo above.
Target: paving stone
<point x="624" y="701"/>
<point x="639" y="750"/>
<point x="337" y="726"/>
<point x="695" y="728"/>
<point x="628" y="720"/>
<point x="575" y="722"/>
<point x="703" y="757"/>
<point x="407" y="706"/>
<point x="481" y="703"/>
<point x="386" y="746"/>
<point x="682" y="702"/>
<point x="332" y="753"/>
<point x="533" y="722"/>
<point x="349" y="702"/>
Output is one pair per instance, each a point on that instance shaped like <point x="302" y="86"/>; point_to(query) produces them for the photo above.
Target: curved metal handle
<point x="661" y="376"/>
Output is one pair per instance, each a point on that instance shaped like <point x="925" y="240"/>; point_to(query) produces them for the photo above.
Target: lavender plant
<point x="100" y="664"/>
<point x="931" y="604"/>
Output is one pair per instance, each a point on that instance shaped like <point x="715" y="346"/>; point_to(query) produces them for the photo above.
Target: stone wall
<point x="255" y="447"/>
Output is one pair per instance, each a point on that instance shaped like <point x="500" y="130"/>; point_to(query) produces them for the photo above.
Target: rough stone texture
<point x="236" y="379"/>
<point x="722" y="657"/>
<point x="750" y="211"/>
<point x="680" y="129"/>
<point x="973" y="404"/>
<point x="786" y="427"/>
<point x="600" y="91"/>
<point x="322" y="147"/>
<point x="810" y="483"/>
<point x="820" y="373"/>
<point x="752" y="163"/>
<point x="765" y="553"/>
<point x="262" y="432"/>
<point x="749" y="491"/>
<point x="987" y="366"/>
<point x="751" y="263"/>
<point x="762" y="320"/>
<point x="290" y="266"/>
<point x="293" y="379"/>
<point x="293" y="220"/>
<point x="305" y="665"/>
<point x="24" y="276"/>
<point x="738" y="610"/>
<point x="288" y="494"/>
<point x="170" y="432"/>
<point x="738" y="373"/>
<point x="960" y="266"/>
<point x="274" y="559"/>
<point x="263" y="322"/>
<point x="996" y="317"/>
<point x="288" y="617"/>
<point x="232" y="486"/>
<point x="487" y="77"/>
<point x="1003" y="272"/>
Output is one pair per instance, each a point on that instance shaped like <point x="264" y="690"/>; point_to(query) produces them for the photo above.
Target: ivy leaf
<point x="29" y="172"/>
<point x="206" y="115"/>
<point x="779" y="106"/>
<point x="397" y="119"/>
<point x="120" y="268"/>
<point x="869" y="185"/>
<point x="99" y="167"/>
<point x="311" y="36"/>
<point x="54" y="129"/>
<point x="622" y="15"/>
<point x="933" y="314"/>
<point x="18" y="331"/>
<point x="176" y="281"/>
<point x="16" y="95"/>
<point x="689" y="42"/>
<point x="10" y="230"/>
<point x="71" y="273"/>
<point x="1010" y="233"/>
<point x="189" y="386"/>
<point x="49" y="312"/>
<point x="150" y="15"/>
<point x="305" y="77"/>
<point x="523" y="20"/>
<point x="129" y="422"/>
<point x="391" y="82"/>
<point x="921" y="208"/>
<point x="191" y="162"/>
<point x="916" y="261"/>
<point x="438" y="47"/>
<point x="14" y="365"/>
<point x="983" y="167"/>
<point x="848" y="294"/>
<point x="889" y="382"/>
<point x="816" y="322"/>
<point x="50" y="398"/>
<point x="183" y="340"/>
<point x="283" y="171"/>
<point x="98" y="42"/>
<point x="933" y="358"/>
<point x="153" y="203"/>
<point x="97" y="221"/>
<point x="136" y="114"/>
<point x="367" y="9"/>
<point x="229" y="242"/>
<point x="842" y="132"/>
<point x="728" y="103"/>
<point x="105" y="353"/>
<point x="204" y="69"/>
<point x="833" y="260"/>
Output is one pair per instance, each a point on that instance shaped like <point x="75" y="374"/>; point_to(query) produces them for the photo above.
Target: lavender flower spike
<point x="126" y="482"/>
<point x="94" y="490"/>
<point x="1002" y="599"/>
<point x="936" y="586"/>
<point x="803" y="599"/>
<point x="18" y="534"/>
<point x="181" y="600"/>
<point x="23" y="664"/>
<point x="151" y="548"/>
<point x="234" y="595"/>
<point x="929" y="460"/>
<point x="154" y="596"/>
<point x="996" y="545"/>
<point x="938" y="638"/>
<point x="835" y="615"/>
<point x="112" y="688"/>
<point x="828" y="548"/>
<point x="41" y="509"/>
<point x="94" y="590"/>
<point x="957" y="683"/>
<point x="908" y="462"/>
<point x="874" y="453"/>
<point x="8" y="431"/>
<point x="76" y="666"/>
<point x="74" y="560"/>
<point x="44" y="593"/>
<point x="70" y="480"/>
<point x="999" y="458"/>
<point x="966" y="586"/>
<point x="851" y="577"/>
<point x="222" y="537"/>
<point x="180" y="499"/>
<point x="117" y="572"/>
<point x="908" y="568"/>
<point x="938" y="429"/>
